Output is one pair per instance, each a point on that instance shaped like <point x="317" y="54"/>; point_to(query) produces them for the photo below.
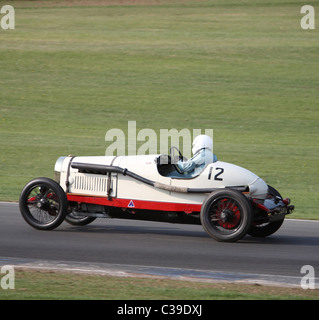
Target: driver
<point x="202" y="156"/>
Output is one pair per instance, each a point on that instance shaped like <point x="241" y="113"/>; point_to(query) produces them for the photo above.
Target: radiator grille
<point x="93" y="184"/>
<point x="90" y="183"/>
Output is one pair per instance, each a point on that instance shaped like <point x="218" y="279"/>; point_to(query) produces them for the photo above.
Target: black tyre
<point x="43" y="204"/>
<point x="226" y="215"/>
<point x="78" y="221"/>
<point x="268" y="228"/>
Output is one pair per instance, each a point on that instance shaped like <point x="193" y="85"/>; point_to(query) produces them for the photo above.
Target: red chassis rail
<point x="135" y="204"/>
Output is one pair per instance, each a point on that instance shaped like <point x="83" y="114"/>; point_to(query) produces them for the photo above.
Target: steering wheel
<point x="173" y="158"/>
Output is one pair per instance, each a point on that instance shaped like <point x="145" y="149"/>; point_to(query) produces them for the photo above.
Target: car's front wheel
<point x="43" y="204"/>
<point x="226" y="215"/>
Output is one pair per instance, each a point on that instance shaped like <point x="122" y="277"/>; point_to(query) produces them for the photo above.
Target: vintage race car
<point x="227" y="200"/>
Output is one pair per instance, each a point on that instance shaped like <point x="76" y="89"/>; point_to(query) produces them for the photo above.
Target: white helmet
<point x="202" y="142"/>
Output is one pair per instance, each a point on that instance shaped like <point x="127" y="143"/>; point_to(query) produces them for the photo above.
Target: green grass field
<point x="70" y="71"/>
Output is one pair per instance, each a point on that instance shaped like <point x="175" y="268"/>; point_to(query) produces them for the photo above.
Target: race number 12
<point x="216" y="174"/>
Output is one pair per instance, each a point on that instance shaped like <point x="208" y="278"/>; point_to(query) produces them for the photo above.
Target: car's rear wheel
<point x="78" y="220"/>
<point x="43" y="204"/>
<point x="268" y="228"/>
<point x="226" y="215"/>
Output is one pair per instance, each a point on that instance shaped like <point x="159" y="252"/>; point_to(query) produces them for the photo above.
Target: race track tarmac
<point x="161" y="248"/>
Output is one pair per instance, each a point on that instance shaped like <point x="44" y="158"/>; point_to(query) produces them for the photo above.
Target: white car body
<point x="140" y="195"/>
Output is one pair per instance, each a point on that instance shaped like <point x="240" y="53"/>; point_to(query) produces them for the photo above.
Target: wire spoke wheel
<point x="43" y="204"/>
<point x="226" y="215"/>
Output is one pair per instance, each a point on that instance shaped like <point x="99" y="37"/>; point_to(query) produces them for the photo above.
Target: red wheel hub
<point x="228" y="214"/>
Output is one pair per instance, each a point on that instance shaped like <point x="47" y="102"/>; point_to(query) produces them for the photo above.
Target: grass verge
<point x="66" y="286"/>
